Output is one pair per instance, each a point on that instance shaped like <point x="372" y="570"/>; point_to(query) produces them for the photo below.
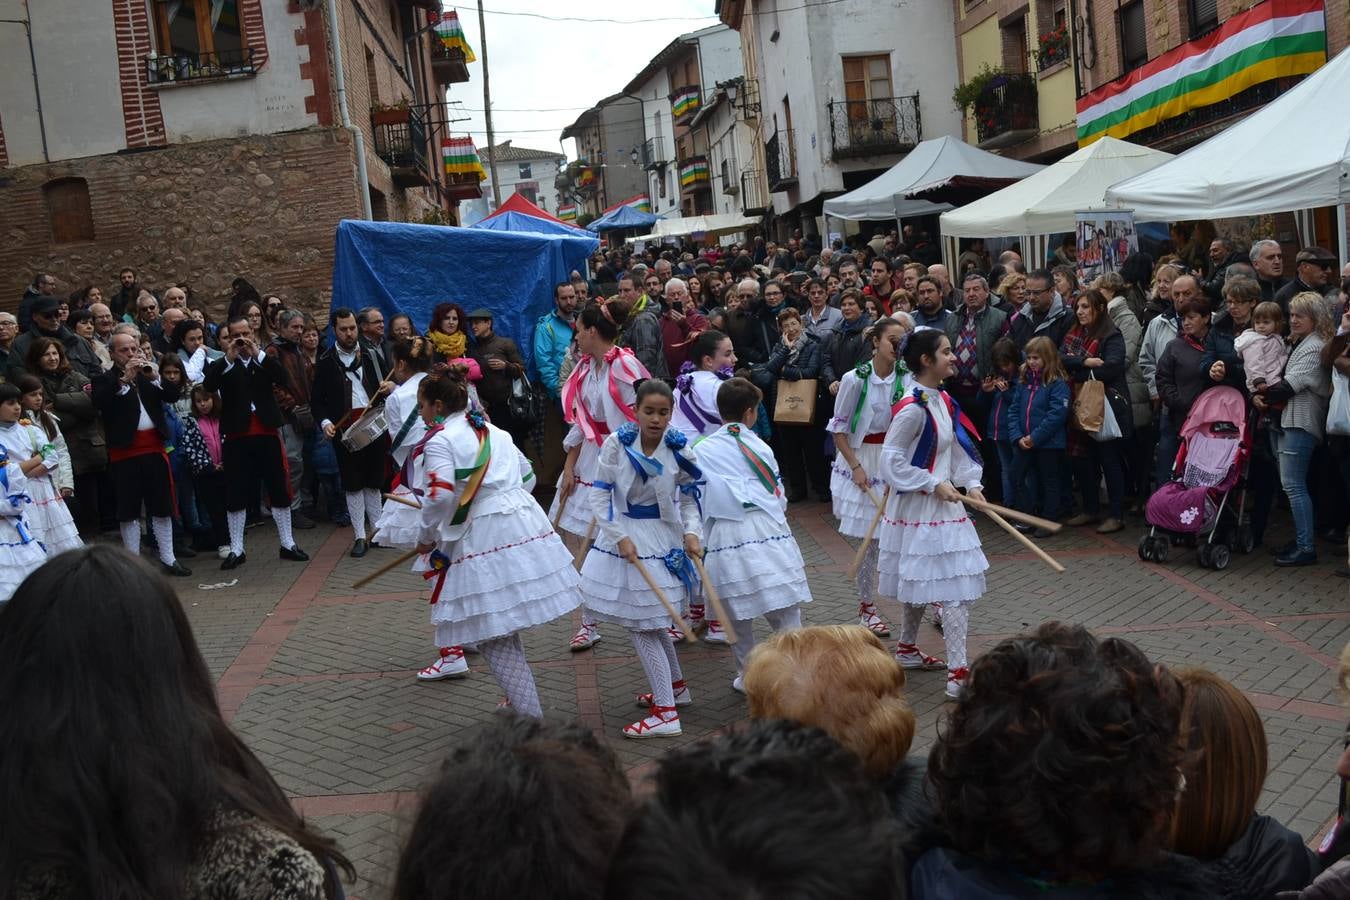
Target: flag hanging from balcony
<point x="639" y="202"/>
<point x="692" y="171"/>
<point x="452" y="37"/>
<point x="1275" y="39"/>
<point x="684" y="101"/>
<point x="567" y="212"/>
<point x="461" y="158"/>
<point x="585" y="176"/>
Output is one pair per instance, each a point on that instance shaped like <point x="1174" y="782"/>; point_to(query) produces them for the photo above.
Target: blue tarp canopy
<point x="623" y="217"/>
<point x="406" y="268"/>
<point x="522" y="223"/>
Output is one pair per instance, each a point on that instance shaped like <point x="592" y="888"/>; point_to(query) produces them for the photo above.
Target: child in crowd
<point x="1262" y="347"/>
<point x="172" y="370"/>
<point x="20" y="551"/>
<point x="42" y="458"/>
<point x="1037" y="423"/>
<point x="753" y="561"/>
<point x="999" y="387"/>
<point x="203" y="450"/>
<point x="644" y="503"/>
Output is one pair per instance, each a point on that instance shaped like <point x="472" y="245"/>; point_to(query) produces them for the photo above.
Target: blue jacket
<point x="1042" y="411"/>
<point x="1000" y="405"/>
<point x="552" y="336"/>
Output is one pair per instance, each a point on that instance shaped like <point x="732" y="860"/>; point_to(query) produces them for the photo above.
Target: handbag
<point x="1089" y="406"/>
<point x="1338" y="414"/>
<point x="527" y="403"/>
<point x="796" y="402"/>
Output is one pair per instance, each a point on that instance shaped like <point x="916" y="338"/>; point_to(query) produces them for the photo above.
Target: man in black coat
<point x="346" y="382"/>
<point x="250" y="420"/>
<point x="131" y="398"/>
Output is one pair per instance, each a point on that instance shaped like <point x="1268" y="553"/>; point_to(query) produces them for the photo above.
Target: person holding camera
<point x="131" y="397"/>
<point x="250" y="421"/>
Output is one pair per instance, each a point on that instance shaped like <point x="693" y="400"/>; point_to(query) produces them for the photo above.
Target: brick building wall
<point x="264" y="207"/>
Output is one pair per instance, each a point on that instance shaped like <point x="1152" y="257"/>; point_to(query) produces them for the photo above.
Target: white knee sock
<point x="955" y="622"/>
<point x="282" y="516"/>
<point x="373" y="505"/>
<point x="745" y="642"/>
<point x="784" y="619"/>
<point x="131" y="536"/>
<point x="506" y="658"/>
<point x="163" y="528"/>
<point x="867" y="573"/>
<point x="356" y="511"/>
<point x="235" y="520"/>
<point x="909" y="622"/>
<point x="657" y="665"/>
<point x="586" y="618"/>
<point x="672" y="658"/>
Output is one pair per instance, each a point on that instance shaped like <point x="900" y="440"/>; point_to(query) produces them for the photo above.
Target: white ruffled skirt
<point x="49" y="519"/>
<point x="615" y="591"/>
<point x="399" y="524"/>
<point x="576" y="516"/>
<point x="508" y="572"/>
<point x="930" y="552"/>
<point x="17" y="559"/>
<point x="755" y="565"/>
<point x="853" y="508"/>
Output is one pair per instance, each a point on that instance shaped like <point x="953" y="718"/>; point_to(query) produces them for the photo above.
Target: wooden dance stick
<point x="1022" y="538"/>
<point x="877" y="503"/>
<point x="404" y="500"/>
<point x="388" y="567"/>
<point x="564" y="494"/>
<point x="867" y="538"/>
<point x="585" y="546"/>
<point x="986" y="506"/>
<point x="661" y="595"/>
<point x="719" y="610"/>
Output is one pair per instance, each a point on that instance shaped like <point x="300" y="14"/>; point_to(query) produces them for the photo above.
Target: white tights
<point x="657" y="653"/>
<point x="778" y="619"/>
<point x="955" y="623"/>
<point x="867" y="573"/>
<point x="506" y="658"/>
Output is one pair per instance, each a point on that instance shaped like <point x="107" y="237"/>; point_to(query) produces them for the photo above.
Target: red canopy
<point x="517" y="203"/>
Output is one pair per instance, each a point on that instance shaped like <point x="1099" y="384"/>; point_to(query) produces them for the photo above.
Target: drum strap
<point x="403" y="431"/>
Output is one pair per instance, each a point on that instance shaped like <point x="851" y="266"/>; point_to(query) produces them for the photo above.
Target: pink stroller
<point x="1210" y="467"/>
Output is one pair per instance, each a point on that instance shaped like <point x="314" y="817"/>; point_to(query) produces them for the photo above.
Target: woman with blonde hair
<point x="1013" y="290"/>
<point x="1215" y="821"/>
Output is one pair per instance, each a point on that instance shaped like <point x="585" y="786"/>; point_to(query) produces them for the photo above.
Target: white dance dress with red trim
<point x="695" y="414"/>
<point x="20" y="552"/>
<point x="652" y="501"/>
<point x="597" y="399"/>
<point x="862" y="411"/>
<point x="750" y="555"/>
<point x="498" y="566"/>
<point x="399" y="523"/>
<point x="47" y="515"/>
<point x="930" y="551"/>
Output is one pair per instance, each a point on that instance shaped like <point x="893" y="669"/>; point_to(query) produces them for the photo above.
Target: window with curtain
<point x="197" y="28"/>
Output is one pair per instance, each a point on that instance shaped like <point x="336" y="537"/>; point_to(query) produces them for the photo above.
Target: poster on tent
<point x="1106" y="237"/>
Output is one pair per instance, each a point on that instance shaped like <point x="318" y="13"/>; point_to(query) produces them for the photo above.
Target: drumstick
<point x="1026" y="541"/>
<point x="384" y="569"/>
<point x="867" y="539"/>
<point x="986" y="506"/>
<point x="719" y="610"/>
<point x="661" y="595"/>
<point x="585" y="546"/>
<point x="404" y="500"/>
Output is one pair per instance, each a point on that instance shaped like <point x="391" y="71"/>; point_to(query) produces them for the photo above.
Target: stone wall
<point x="264" y="207"/>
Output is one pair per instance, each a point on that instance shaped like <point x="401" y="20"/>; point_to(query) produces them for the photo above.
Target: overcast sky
<point x="545" y="73"/>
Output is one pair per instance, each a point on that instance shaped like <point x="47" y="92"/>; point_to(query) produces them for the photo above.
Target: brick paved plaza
<point x="319" y="678"/>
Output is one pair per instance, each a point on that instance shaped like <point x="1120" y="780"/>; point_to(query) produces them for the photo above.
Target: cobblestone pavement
<point x="318" y="677"/>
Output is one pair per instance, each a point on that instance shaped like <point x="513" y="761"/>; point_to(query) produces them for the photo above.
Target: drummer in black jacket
<point x="346" y="382"/>
<point x="249" y="422"/>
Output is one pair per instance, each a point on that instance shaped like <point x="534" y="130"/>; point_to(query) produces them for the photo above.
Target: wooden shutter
<point x="68" y="210"/>
<point x="1133" y="34"/>
<point x="1204" y="15"/>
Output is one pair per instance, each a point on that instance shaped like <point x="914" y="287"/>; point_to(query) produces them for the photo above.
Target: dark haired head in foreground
<point x="120" y="777"/>
<point x="775" y="811"/>
<point x="522" y="808"/>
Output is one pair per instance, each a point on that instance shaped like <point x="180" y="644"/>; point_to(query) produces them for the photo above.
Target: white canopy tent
<point x="725" y="223"/>
<point x="1293" y="154"/>
<point x="933" y="164"/>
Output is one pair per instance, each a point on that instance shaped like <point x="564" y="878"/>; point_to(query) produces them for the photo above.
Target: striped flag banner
<point x="684" y="101"/>
<point x="461" y="158"/>
<point x="1275" y="39"/>
<point x="694" y="171"/>
<point x="640" y="202"/>
<point x="568" y="212"/>
<point x="452" y="37"/>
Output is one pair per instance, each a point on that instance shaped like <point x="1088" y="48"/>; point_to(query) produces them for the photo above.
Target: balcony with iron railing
<point x="780" y="161"/>
<point x="877" y="127"/>
<point x="654" y="154"/>
<point x="448" y="66"/>
<point x="185" y="67"/>
<point x="401" y="141"/>
<point x="754" y="199"/>
<point x="1006" y="111"/>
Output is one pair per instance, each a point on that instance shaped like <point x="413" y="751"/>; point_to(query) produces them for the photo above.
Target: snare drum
<point x="365" y="430"/>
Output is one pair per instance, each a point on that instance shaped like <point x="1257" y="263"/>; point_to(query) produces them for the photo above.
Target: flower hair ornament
<point x="477" y="419"/>
<point x="604" y="311"/>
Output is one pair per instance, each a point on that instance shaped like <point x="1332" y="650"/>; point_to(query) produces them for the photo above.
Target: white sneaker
<point x="911" y="657"/>
<point x="872" y="621"/>
<point x="738" y="685"/>
<point x="664" y="721"/>
<point x="450" y="665"/>
<point x="586" y="637"/>
<point x="682" y="696"/>
<point x="715" y="634"/>
<point x="956" y="682"/>
<point x="223" y="551"/>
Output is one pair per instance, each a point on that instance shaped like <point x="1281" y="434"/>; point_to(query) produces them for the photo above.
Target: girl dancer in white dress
<point x="645" y="499"/>
<point x="39" y="459"/>
<point x="20" y="552"/>
<point x="752" y="559"/>
<point x="497" y="565"/>
<point x="711" y="360"/>
<point x="597" y="398"/>
<point x="930" y="552"/>
<point x="862" y="413"/>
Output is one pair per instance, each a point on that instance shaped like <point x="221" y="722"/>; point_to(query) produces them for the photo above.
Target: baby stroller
<point x="1211" y="466"/>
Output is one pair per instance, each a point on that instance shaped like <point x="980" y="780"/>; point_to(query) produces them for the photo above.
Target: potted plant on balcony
<point x="386" y="114"/>
<point x="967" y="93"/>
<point x="1054" y="46"/>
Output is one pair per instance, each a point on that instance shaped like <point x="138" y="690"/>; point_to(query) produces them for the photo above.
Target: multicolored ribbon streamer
<point x="763" y="471"/>
<point x="440" y="567"/>
<point x="474" y="473"/>
<point x="925" y="451"/>
<point x="679" y="564"/>
<point x="864" y="373"/>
